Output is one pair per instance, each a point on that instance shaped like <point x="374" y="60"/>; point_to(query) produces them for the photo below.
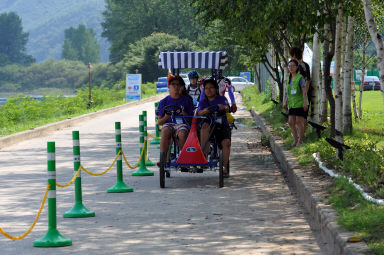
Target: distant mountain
<point x="46" y="20"/>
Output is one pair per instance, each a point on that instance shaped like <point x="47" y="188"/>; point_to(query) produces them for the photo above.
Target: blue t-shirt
<point x="218" y="100"/>
<point x="183" y="101"/>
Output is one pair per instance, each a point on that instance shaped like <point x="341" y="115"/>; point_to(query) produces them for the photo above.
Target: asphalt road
<point x="254" y="213"/>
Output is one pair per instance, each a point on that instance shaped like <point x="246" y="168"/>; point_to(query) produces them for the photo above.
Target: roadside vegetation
<point x="22" y="113"/>
<point x="364" y="162"/>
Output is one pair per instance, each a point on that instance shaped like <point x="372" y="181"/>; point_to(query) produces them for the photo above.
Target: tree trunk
<point x="315" y="114"/>
<point x="324" y="102"/>
<point x="280" y="80"/>
<point x="354" y="95"/>
<point x="329" y="51"/>
<point x="361" y="87"/>
<point x="258" y="76"/>
<point x="348" y="68"/>
<point x="274" y="73"/>
<point x="376" y="38"/>
<point x="336" y="76"/>
<point x="286" y="71"/>
<point x="323" y="97"/>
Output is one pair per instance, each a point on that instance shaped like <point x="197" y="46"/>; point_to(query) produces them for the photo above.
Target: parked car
<point x="162" y="84"/>
<point x="239" y="82"/>
<point x="371" y="83"/>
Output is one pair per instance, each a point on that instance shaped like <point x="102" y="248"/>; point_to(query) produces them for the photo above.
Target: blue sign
<point x="246" y="75"/>
<point x="133" y="87"/>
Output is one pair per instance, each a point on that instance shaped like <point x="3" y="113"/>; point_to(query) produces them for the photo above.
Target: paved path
<point x="254" y="213"/>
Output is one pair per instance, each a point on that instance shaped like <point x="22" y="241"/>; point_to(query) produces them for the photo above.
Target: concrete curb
<point x="323" y="216"/>
<point x="39" y="131"/>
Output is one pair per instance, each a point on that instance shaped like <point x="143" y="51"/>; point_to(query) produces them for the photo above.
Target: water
<point x="264" y="159"/>
<point x="245" y="122"/>
<point x="3" y="100"/>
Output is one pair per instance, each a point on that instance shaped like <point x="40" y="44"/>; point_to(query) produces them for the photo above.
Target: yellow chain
<point x="34" y="222"/>
<point x="71" y="181"/>
<point x="154" y="137"/>
<point x="141" y="155"/>
<point x="109" y="168"/>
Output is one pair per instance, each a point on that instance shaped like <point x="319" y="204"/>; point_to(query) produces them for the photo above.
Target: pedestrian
<point x="296" y="102"/>
<point x="297" y="54"/>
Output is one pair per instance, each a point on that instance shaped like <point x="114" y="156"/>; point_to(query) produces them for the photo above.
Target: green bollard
<point x="120" y="186"/>
<point x="158" y="134"/>
<point x="78" y="210"/>
<point x="148" y="162"/>
<point x="142" y="171"/>
<point x="52" y="238"/>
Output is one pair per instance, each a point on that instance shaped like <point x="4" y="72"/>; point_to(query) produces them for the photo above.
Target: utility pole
<point x="90" y="88"/>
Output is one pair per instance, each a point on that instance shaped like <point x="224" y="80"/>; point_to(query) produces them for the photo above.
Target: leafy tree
<point x="261" y="25"/>
<point x="51" y="75"/>
<point x="376" y="35"/>
<point x="237" y="54"/>
<point x="127" y="21"/>
<point x="13" y="40"/>
<point x="143" y="55"/>
<point x="80" y="44"/>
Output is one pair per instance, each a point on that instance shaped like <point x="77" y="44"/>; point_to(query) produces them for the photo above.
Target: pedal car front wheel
<point x="162" y="171"/>
<point x="221" y="169"/>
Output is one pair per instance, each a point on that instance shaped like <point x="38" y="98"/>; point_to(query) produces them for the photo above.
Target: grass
<point x="372" y="122"/>
<point x="364" y="162"/>
<point x="23" y="114"/>
<point x="357" y="214"/>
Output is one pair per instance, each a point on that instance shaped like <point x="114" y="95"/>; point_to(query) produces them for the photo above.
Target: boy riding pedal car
<point x="193" y="88"/>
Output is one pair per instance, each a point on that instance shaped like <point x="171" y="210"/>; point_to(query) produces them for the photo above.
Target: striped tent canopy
<point x="192" y="59"/>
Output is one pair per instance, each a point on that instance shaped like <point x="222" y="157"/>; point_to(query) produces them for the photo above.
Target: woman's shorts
<point x="298" y="112"/>
<point x="176" y="128"/>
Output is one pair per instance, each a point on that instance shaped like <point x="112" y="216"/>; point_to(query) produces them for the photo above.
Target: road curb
<point x="39" y="131"/>
<point x="323" y="216"/>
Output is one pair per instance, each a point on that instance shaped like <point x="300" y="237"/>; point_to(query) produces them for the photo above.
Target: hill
<point x="45" y="21"/>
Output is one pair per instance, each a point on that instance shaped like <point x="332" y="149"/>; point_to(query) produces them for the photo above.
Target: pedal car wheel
<point x="221" y="169"/>
<point x="162" y="172"/>
<point x="167" y="174"/>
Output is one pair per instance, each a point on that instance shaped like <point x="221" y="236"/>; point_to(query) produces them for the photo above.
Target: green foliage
<point x="126" y="22"/>
<point x="64" y="74"/>
<point x="143" y="55"/>
<point x="80" y="44"/>
<point x="371" y="61"/>
<point x="13" y="40"/>
<point x="357" y="214"/>
<point x="148" y="89"/>
<point x="239" y="59"/>
<point x="364" y="162"/>
<point x="265" y="140"/>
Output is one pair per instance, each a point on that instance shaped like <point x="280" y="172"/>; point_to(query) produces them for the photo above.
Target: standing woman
<point x="296" y="103"/>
